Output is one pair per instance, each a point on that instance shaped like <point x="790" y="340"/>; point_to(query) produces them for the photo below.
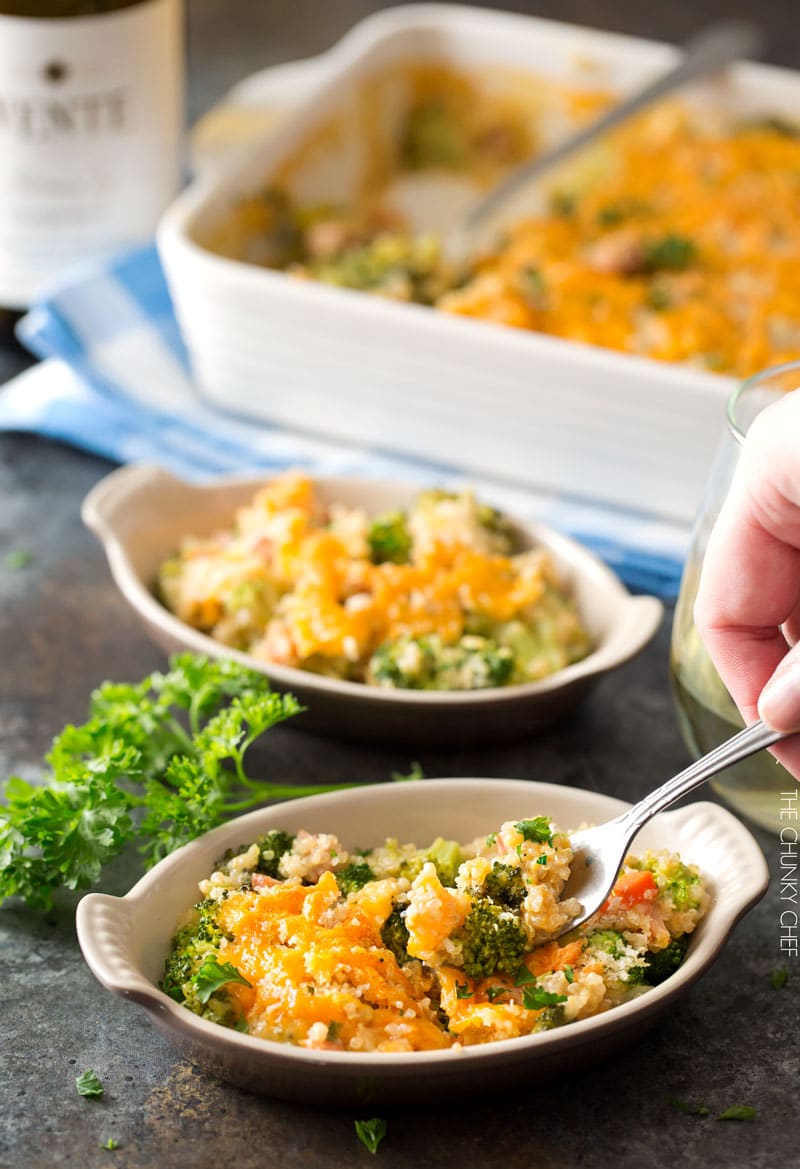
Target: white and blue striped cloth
<point x="115" y="381"/>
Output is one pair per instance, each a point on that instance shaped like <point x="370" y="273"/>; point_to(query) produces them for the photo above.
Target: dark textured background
<point x="63" y="629"/>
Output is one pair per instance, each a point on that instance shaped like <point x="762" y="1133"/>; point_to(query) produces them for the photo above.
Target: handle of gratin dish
<point x="635" y="624"/>
<point x="112" y="494"/>
<point x="104" y="933"/>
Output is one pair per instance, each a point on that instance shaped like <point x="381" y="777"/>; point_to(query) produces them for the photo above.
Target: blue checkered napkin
<point x="115" y="381"/>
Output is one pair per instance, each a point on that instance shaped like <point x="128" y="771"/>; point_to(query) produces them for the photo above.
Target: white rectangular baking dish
<point x="504" y="403"/>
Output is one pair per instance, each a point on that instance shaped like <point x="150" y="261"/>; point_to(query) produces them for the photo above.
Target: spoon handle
<point x="708" y="51"/>
<point x="753" y="738"/>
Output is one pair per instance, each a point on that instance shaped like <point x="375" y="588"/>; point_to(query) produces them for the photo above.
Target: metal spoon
<point x="598" y="853"/>
<point x="707" y="51"/>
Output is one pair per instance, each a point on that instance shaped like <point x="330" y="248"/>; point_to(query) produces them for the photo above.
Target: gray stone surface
<point x="63" y="629"/>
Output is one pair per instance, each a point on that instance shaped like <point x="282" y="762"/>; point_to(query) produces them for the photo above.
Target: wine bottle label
<point x="91" y="121"/>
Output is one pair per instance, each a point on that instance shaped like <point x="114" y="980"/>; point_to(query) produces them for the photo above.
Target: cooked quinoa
<point x="298" y="940"/>
<point x="436" y="597"/>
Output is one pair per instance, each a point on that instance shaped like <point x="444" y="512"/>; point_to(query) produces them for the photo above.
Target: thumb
<point x="779" y="703"/>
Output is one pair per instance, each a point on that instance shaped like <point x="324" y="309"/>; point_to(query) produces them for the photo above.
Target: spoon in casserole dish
<point x="707" y="52"/>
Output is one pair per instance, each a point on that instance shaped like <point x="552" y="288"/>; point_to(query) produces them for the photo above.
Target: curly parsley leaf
<point x="157" y="763"/>
<point x="212" y="974"/>
<point x="537" y="830"/>
<point x="88" y="1085"/>
<point x="371" y="1132"/>
<point x="535" y="999"/>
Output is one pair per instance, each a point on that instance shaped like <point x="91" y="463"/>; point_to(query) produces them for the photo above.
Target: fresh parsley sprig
<point x="158" y="763"/>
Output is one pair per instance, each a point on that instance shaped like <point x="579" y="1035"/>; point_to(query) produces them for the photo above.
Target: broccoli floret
<point x="271" y="848"/>
<point x="354" y="876"/>
<point x="671" y="252"/>
<point x="683" y="890"/>
<point x="446" y="856"/>
<point x="434" y="136"/>
<point x="499" y="525"/>
<point x="660" y="965"/>
<point x="394" y="935"/>
<point x="609" y="941"/>
<point x="550" y="1017"/>
<point x="474" y="663"/>
<point x="406" y="664"/>
<point x="505" y="885"/>
<point x="389" y="539"/>
<point x="675" y="880"/>
<point x="492" y="938"/>
<point x="193" y="972"/>
<point x="425" y="663"/>
<point x="190" y="946"/>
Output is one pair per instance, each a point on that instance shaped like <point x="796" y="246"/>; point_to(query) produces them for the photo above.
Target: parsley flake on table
<point x="779" y="977"/>
<point x="110" y="1144"/>
<point x="17" y="559"/>
<point x="88" y="1085"/>
<point x="371" y="1132"/>
<point x="158" y="763"/>
<point x="689" y="1109"/>
<point x="738" y="1112"/>
<point x="416" y="773"/>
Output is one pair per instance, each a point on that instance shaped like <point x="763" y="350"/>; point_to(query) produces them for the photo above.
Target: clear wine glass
<point x="706" y="712"/>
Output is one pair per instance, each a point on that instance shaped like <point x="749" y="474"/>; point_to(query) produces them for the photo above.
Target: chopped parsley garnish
<point x="389" y="539"/>
<point x="212" y="975"/>
<point x="491" y="840"/>
<point x="532" y="286"/>
<point x="536" y="830"/>
<point x="535" y="999"/>
<point x="563" y="203"/>
<point x="88" y="1085"/>
<point x="569" y="973"/>
<point x="463" y="990"/>
<point x="689" y="1109"/>
<point x="658" y="298"/>
<point x="523" y="977"/>
<point x="542" y="860"/>
<point x="17" y="559"/>
<point x="110" y="1144"/>
<point x="494" y="992"/>
<point x="371" y="1132"/>
<point x="672" y="253"/>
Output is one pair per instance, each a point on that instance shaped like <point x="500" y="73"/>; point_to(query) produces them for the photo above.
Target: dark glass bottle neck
<point x="62" y="9"/>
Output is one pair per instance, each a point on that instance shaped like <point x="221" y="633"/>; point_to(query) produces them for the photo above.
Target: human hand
<point x="748" y="604"/>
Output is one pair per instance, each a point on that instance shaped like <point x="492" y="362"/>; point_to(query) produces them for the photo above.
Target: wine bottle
<point x="91" y="127"/>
